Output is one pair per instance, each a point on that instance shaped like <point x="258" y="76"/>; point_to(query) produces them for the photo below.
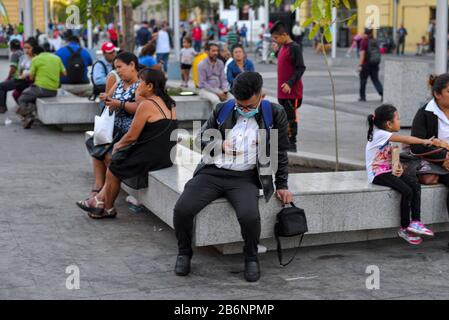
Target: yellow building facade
<point x="14" y="9"/>
<point x="414" y="14"/>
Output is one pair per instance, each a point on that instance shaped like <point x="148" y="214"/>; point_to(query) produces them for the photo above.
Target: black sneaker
<point x="252" y="271"/>
<point x="182" y="267"/>
<point x="362" y="99"/>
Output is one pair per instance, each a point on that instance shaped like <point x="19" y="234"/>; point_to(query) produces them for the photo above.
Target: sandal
<point x="105" y="214"/>
<point x="98" y="208"/>
<point x="94" y="192"/>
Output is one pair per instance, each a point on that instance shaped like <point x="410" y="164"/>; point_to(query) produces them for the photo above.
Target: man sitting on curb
<point x="235" y="171"/>
<point x="46" y="70"/>
<point x="212" y="80"/>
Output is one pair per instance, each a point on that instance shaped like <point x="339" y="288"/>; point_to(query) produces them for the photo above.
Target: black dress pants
<point x="242" y="191"/>
<point x="370" y="71"/>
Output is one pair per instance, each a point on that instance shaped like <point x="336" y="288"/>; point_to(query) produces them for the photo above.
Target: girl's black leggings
<point x="410" y="189"/>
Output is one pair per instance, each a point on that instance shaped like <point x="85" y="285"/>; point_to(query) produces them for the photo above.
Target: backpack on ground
<point x="373" y="52"/>
<point x="97" y="88"/>
<point x="75" y="67"/>
<point x="267" y="113"/>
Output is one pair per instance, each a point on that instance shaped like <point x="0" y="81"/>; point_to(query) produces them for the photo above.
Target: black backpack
<point x="97" y="88"/>
<point x="75" y="67"/>
<point x="373" y="52"/>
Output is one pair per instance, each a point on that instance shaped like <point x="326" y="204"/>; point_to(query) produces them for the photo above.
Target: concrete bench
<point x="67" y="111"/>
<point x="191" y="108"/>
<point x="340" y="207"/>
<point x="72" y="113"/>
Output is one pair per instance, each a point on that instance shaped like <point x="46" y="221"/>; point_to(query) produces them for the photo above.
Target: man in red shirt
<point x="290" y="68"/>
<point x="197" y="37"/>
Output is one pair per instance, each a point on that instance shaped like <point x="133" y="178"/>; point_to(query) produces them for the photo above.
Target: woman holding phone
<point x="121" y="99"/>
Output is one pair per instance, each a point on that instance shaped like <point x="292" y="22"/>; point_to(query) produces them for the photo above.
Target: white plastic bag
<point x="104" y="127"/>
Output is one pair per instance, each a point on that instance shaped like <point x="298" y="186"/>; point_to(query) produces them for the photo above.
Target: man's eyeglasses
<point x="248" y="108"/>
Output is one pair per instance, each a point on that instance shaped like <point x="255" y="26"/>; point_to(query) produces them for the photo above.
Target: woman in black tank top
<point x="150" y="132"/>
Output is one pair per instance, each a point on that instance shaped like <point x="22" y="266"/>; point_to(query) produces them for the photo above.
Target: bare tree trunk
<point x="128" y="28"/>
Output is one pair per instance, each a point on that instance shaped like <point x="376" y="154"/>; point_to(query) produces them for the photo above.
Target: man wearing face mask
<point x="234" y="170"/>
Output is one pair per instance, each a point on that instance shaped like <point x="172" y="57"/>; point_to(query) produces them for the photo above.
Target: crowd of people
<point x="133" y="86"/>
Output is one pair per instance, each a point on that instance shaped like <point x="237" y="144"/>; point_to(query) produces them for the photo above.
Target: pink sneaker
<point x="409" y="237"/>
<point x="418" y="228"/>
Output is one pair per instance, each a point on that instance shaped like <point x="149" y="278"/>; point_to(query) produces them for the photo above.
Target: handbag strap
<point x="425" y="154"/>
<point x="279" y="249"/>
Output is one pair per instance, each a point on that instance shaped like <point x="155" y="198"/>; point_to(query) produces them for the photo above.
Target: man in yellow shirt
<point x="46" y="70"/>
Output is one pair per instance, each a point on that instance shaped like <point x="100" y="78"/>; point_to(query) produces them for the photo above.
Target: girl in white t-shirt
<point x="382" y="125"/>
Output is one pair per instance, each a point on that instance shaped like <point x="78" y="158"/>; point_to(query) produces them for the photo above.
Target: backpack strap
<point x="267" y="114"/>
<point x="70" y="49"/>
<point x="225" y="111"/>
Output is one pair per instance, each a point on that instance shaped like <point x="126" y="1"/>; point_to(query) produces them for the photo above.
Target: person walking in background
<point x="197" y="36"/>
<point x="356" y="40"/>
<point x="232" y="37"/>
<point x="163" y="47"/>
<point x="383" y="126"/>
<point x="401" y="35"/>
<point x="369" y="64"/>
<point x="298" y="33"/>
<point x="431" y="35"/>
<point x="223" y="31"/>
<point x="243" y="35"/>
<point x="143" y="36"/>
<point x="188" y="54"/>
<point x="266" y="43"/>
<point x="113" y="34"/>
<point x="290" y="69"/>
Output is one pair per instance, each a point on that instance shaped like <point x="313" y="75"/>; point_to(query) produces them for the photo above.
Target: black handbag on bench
<point x="290" y="222"/>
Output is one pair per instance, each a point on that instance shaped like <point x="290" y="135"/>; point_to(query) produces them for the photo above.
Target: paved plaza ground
<point x="44" y="171"/>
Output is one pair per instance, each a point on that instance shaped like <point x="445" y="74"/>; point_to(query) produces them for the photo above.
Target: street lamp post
<point x="334" y="32"/>
<point x="89" y="24"/>
<point x="267" y="13"/>
<point x="441" y="37"/>
<point x="176" y="28"/>
<point x="28" y="19"/>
